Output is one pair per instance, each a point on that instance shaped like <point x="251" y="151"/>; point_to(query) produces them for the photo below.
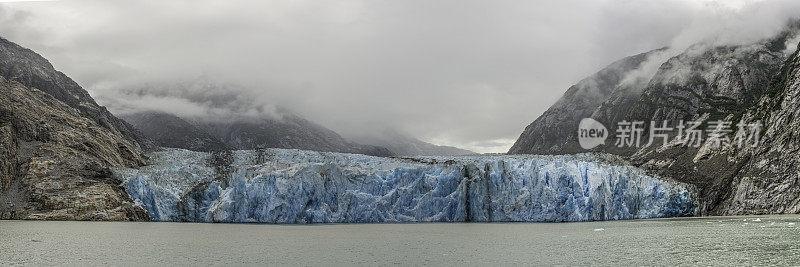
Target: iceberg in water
<point x="295" y="186"/>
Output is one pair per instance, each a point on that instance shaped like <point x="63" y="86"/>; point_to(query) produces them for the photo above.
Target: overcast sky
<point x="466" y="73"/>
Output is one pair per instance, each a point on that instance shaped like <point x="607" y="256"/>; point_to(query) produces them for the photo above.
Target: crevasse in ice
<point x="294" y="186"/>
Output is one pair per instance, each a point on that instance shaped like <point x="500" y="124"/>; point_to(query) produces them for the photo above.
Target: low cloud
<point x="465" y="73"/>
<point x="200" y="99"/>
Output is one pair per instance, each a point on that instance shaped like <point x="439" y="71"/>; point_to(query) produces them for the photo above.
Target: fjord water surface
<point x="747" y="240"/>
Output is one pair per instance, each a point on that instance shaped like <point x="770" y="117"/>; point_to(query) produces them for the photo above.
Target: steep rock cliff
<point x="55" y="162"/>
<point x="32" y="70"/>
<point x="731" y="82"/>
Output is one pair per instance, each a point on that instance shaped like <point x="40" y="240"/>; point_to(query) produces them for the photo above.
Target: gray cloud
<point x="467" y="73"/>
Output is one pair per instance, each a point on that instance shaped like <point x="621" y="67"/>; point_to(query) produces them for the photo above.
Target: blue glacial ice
<point x="295" y="186"/>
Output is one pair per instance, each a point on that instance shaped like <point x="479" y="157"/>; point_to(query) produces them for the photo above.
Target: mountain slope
<point x="55" y="161"/>
<point x="57" y="144"/>
<point x="406" y="146"/>
<point x="706" y="83"/>
<point x="32" y="70"/>
<point x="554" y="131"/>
<point x="288" y="131"/>
<point x="769" y="180"/>
<point x="168" y="130"/>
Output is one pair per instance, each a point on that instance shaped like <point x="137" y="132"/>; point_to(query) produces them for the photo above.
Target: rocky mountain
<point x="288" y="131"/>
<point x="555" y="130"/>
<point x="407" y="146"/>
<point x="168" y="130"/>
<point x="22" y="65"/>
<point x="57" y="144"/>
<point x="705" y="83"/>
<point x="769" y="179"/>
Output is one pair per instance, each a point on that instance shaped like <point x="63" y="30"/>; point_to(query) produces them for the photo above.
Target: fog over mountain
<point x="471" y="77"/>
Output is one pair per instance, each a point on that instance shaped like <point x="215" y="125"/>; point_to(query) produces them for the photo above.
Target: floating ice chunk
<point x="599" y="230"/>
<point x="757" y="220"/>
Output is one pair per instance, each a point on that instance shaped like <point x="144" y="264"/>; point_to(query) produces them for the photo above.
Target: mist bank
<point x="430" y="70"/>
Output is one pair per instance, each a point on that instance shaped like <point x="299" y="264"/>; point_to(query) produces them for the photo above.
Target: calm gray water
<point x="709" y="240"/>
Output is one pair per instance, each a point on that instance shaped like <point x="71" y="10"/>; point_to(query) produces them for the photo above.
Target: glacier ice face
<point x="294" y="186"/>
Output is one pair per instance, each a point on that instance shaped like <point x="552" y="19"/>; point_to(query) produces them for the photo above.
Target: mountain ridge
<point x="406" y="145"/>
<point x="30" y="69"/>
<point x="705" y="83"/>
<point x="238" y="133"/>
<point x="55" y="162"/>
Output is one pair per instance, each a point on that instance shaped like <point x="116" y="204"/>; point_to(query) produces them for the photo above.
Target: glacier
<point x="296" y="186"/>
